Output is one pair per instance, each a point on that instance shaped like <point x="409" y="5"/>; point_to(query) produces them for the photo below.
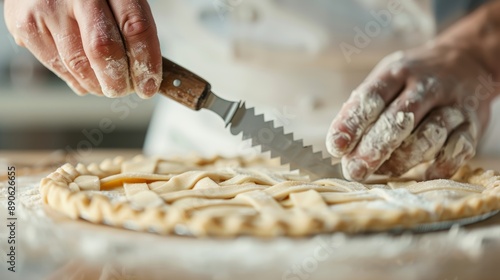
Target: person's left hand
<point x="427" y="104"/>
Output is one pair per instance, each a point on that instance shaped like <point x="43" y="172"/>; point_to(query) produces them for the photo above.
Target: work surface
<point x="54" y="247"/>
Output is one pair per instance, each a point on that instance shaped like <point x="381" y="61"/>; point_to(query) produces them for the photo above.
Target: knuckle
<point x="396" y="63"/>
<point x="398" y="69"/>
<point x="432" y="87"/>
<point x="55" y="64"/>
<point x="103" y="46"/>
<point x="451" y="112"/>
<point x="136" y="24"/>
<point x="393" y="58"/>
<point x="376" y="87"/>
<point x="50" y="5"/>
<point x="26" y="25"/>
<point x="77" y="62"/>
<point x="450" y="117"/>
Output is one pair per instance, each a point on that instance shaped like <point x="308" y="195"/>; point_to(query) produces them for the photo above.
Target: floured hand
<point x="96" y="46"/>
<point x="426" y="104"/>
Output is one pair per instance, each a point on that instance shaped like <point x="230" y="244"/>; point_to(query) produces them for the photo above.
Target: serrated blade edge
<point x="283" y="145"/>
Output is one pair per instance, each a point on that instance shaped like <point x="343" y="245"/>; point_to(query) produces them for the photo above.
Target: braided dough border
<point x="58" y="192"/>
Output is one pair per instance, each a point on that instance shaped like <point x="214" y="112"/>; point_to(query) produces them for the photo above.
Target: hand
<point x="427" y="104"/>
<point x="96" y="46"/>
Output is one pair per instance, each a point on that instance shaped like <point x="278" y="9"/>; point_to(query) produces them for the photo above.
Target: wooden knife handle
<point x="183" y="86"/>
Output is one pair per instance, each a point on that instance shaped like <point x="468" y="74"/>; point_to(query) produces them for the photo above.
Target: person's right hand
<point x="96" y="46"/>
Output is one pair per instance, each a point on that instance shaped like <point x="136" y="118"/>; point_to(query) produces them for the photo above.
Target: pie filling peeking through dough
<point x="236" y="196"/>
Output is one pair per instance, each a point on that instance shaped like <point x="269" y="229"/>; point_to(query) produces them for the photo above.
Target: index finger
<point x="364" y="106"/>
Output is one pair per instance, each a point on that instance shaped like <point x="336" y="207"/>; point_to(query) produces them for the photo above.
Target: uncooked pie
<point x="237" y="196"/>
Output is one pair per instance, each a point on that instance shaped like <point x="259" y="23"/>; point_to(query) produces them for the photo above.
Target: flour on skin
<point x="364" y="109"/>
<point x="144" y="75"/>
<point x="424" y="143"/>
<point x="377" y="145"/>
<point x="117" y="71"/>
<point x="459" y="148"/>
<point x="114" y="78"/>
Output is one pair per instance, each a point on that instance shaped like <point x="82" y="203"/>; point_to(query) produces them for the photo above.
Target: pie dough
<point x="236" y="196"/>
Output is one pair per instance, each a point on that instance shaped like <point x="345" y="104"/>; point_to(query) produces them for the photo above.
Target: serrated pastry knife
<point x="194" y="92"/>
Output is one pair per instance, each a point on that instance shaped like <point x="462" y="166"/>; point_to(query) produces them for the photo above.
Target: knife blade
<point x="192" y="91"/>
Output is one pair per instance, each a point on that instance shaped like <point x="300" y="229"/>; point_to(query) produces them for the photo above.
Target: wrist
<point x="477" y="36"/>
<point x="469" y="50"/>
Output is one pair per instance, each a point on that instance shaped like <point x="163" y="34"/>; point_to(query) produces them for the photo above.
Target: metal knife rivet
<point x="177" y="83"/>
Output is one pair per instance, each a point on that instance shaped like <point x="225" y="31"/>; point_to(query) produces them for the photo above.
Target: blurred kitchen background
<point x="247" y="49"/>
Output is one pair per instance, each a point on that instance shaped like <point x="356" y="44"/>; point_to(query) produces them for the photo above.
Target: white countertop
<point x="60" y="248"/>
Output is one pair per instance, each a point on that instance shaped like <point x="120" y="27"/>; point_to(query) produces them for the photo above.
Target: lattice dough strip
<point x="222" y="192"/>
<point x="348" y="197"/>
<point x="309" y="200"/>
<point x="132" y="189"/>
<point x="146" y="199"/>
<point x="435" y="185"/>
<point x="283" y="190"/>
<point x="88" y="182"/>
<point x="269" y="205"/>
<point x="186" y="181"/>
<point x="118" y="180"/>
<point x="206" y="183"/>
<point x="342" y="185"/>
<point x="253" y="176"/>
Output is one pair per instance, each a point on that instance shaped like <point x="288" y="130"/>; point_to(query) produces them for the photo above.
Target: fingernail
<point x="338" y="143"/>
<point x="150" y="87"/>
<point x="354" y="169"/>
